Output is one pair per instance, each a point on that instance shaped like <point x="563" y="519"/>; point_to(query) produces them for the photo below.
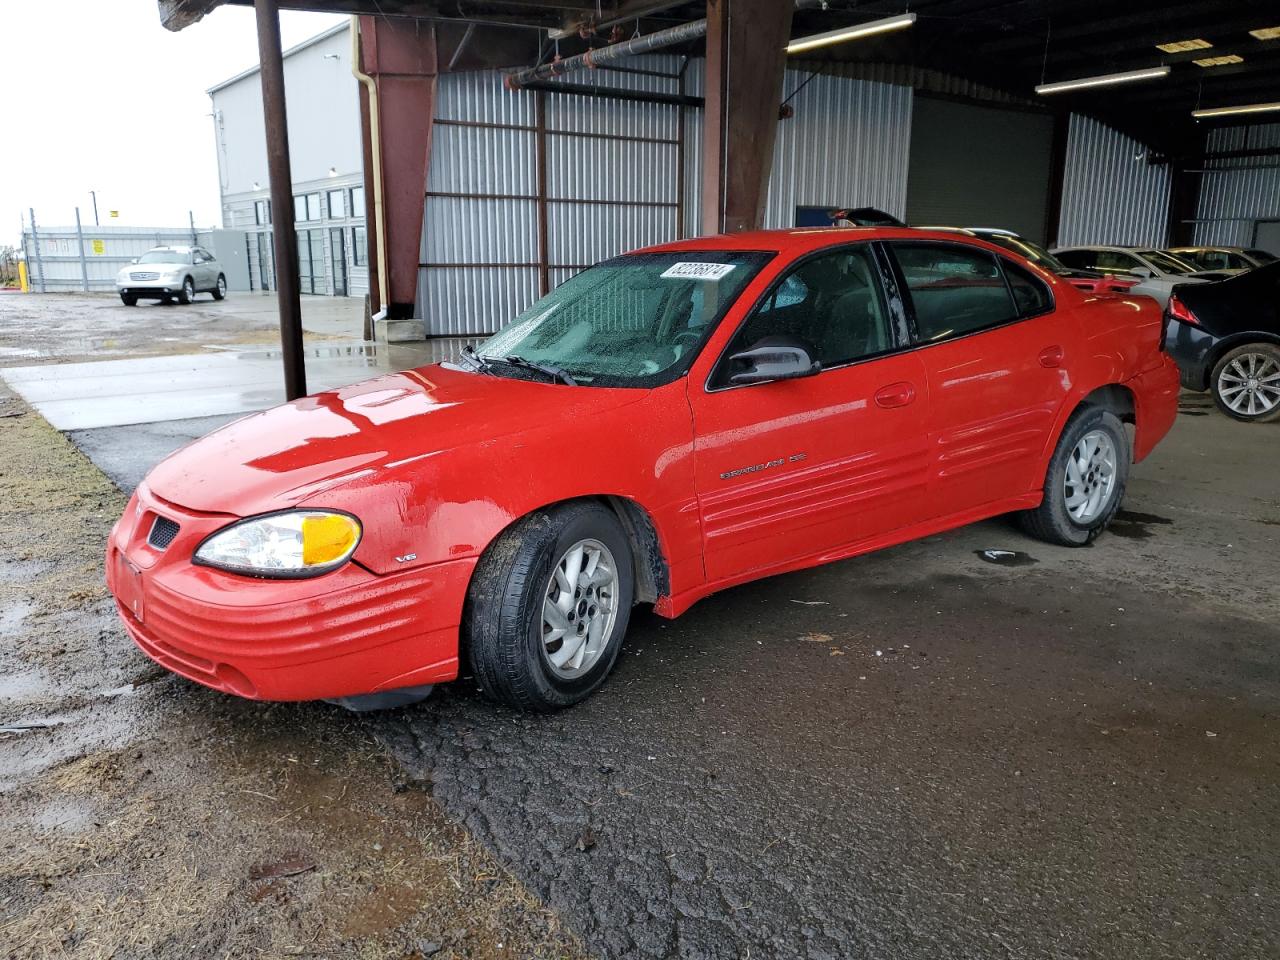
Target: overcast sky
<point x="102" y="97"/>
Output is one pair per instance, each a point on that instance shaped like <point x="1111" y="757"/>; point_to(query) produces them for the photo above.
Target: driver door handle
<point x="895" y="395"/>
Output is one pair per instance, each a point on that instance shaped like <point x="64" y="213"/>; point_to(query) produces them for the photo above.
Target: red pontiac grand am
<point x="666" y="424"/>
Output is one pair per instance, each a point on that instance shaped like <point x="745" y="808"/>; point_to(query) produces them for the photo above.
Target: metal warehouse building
<point x="329" y="197"/>
<point x="504" y="167"/>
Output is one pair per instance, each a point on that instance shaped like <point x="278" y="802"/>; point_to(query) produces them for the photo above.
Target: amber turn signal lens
<point x="327" y="537"/>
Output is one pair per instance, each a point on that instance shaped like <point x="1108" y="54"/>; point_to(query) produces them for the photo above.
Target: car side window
<point x="1078" y="259"/>
<point x="954" y="289"/>
<point x="831" y="303"/>
<point x="1116" y="262"/>
<point x="1030" y="294"/>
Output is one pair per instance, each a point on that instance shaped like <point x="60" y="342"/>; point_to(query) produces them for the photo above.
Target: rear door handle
<point x="1051" y="356"/>
<point x="895" y="395"/>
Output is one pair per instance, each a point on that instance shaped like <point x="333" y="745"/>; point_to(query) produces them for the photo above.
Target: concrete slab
<point x="81" y="396"/>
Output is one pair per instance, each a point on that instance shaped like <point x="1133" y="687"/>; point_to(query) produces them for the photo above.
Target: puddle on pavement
<point x="1006" y="558"/>
<point x="1132" y="525"/>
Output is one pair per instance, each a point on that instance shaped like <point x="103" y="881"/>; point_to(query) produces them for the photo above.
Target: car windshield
<point x="1262" y="256"/>
<point x="1167" y="263"/>
<point x="1025" y="248"/>
<point x="637" y="320"/>
<point x="162" y="256"/>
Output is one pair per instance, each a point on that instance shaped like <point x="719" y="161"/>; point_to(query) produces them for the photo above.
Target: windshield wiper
<point x="555" y="373"/>
<point x="478" y="363"/>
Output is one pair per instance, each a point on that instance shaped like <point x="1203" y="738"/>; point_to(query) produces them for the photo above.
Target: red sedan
<point x="664" y="425"/>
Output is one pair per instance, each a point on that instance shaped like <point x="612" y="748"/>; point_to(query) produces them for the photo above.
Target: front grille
<point x="144" y="275"/>
<point x="162" y="533"/>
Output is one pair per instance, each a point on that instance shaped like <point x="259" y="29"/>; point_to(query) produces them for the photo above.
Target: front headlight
<point x="296" y="543"/>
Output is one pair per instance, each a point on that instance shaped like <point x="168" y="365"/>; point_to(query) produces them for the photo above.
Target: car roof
<point x="802" y="239"/>
<point x="1212" y="246"/>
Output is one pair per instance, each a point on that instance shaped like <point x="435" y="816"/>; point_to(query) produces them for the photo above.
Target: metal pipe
<point x="271" y="61"/>
<point x="95" y="208"/>
<point x="693" y="30"/>
<point x="84" y="267"/>
<point x="35" y="245"/>
<point x="611" y="93"/>
<point x="375" y="142"/>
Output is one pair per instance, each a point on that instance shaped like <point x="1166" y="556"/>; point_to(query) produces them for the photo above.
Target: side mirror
<point x="1143" y="272"/>
<point x="773" y="358"/>
<point x="134" y="260"/>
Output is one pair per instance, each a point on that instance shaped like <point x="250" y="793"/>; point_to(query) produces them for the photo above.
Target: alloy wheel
<point x="1090" y="477"/>
<point x="580" y="609"/>
<point x="222" y="288"/>
<point x="1250" y="384"/>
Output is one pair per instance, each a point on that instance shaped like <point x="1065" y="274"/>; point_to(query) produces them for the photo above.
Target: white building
<point x="325" y="154"/>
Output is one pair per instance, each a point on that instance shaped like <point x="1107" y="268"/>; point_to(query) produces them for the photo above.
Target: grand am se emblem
<point x="756" y="468"/>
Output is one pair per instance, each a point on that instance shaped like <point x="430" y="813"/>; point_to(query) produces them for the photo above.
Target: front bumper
<point x="150" y="288"/>
<point x="1190" y="346"/>
<point x="345" y="633"/>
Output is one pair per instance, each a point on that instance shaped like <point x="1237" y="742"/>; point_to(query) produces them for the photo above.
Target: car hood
<point x="155" y="267"/>
<point x="283" y="456"/>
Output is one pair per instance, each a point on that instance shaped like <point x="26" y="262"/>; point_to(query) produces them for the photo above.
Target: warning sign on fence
<point x="99" y="247"/>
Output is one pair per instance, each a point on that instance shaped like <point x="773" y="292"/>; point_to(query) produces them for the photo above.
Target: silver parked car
<point x="1157" y="270"/>
<point x="171" y="273"/>
<point x="1224" y="258"/>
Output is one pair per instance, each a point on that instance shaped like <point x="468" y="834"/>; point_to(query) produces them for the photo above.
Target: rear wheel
<point x="220" y="288"/>
<point x="1246" y="383"/>
<point x="1085" y="481"/>
<point x="188" y="291"/>
<point x="548" y="606"/>
<point x="128" y="299"/>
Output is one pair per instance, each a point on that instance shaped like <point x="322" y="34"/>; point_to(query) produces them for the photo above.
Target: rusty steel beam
<point x="280" y="176"/>
<point x="400" y="56"/>
<point x="744" y="69"/>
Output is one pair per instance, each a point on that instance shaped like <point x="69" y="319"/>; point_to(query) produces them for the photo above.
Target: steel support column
<point x="400" y="56"/>
<point x="1184" y="199"/>
<point x="281" y="178"/>
<point x="745" y="65"/>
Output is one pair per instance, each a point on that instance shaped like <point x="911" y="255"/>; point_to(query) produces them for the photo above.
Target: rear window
<point x="1030" y="293"/>
<point x="954" y="289"/>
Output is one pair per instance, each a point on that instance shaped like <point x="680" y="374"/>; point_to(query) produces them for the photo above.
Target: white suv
<point x="168" y="273"/>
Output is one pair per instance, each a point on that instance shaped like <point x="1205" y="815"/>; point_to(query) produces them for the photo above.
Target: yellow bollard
<point x="22" y="276"/>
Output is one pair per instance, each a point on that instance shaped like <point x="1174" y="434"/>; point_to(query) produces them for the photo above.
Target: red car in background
<point x="664" y="425"/>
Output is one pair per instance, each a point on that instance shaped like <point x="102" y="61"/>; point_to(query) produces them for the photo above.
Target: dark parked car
<point x="1226" y="339"/>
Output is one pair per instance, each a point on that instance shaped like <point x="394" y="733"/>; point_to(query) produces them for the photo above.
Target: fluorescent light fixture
<point x="1182" y="46"/>
<point x="1219" y="61"/>
<point x="1231" y="111"/>
<point x="1266" y="33"/>
<point x="1106" y="80"/>
<point x="855" y="32"/>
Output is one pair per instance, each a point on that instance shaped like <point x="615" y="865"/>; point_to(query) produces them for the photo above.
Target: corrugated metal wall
<point x="846" y="146"/>
<point x="615" y="180"/>
<point x="1236" y="194"/>
<point x="612" y="184"/>
<point x="1110" y="194"/>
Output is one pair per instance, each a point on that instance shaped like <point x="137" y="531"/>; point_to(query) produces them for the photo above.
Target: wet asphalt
<point x="934" y="754"/>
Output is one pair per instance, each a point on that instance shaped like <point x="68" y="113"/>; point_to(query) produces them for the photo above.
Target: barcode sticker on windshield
<point x="697" y="271"/>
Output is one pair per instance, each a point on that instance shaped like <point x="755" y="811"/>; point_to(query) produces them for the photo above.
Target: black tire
<point x="1051" y="521"/>
<point x="128" y="299"/>
<point x="188" y="292"/>
<point x="1268" y="358"/>
<point x="220" y="288"/>
<point x="502" y="618"/>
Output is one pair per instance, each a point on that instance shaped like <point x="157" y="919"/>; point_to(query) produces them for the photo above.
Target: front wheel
<point x="1246" y="383"/>
<point x="1085" y="481"/>
<point x="548" y="606"/>
<point x="188" y="291"/>
<point x="128" y="299"/>
<point x="220" y="288"/>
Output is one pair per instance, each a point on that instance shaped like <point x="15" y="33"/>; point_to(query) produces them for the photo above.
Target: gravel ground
<point x="146" y="817"/>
